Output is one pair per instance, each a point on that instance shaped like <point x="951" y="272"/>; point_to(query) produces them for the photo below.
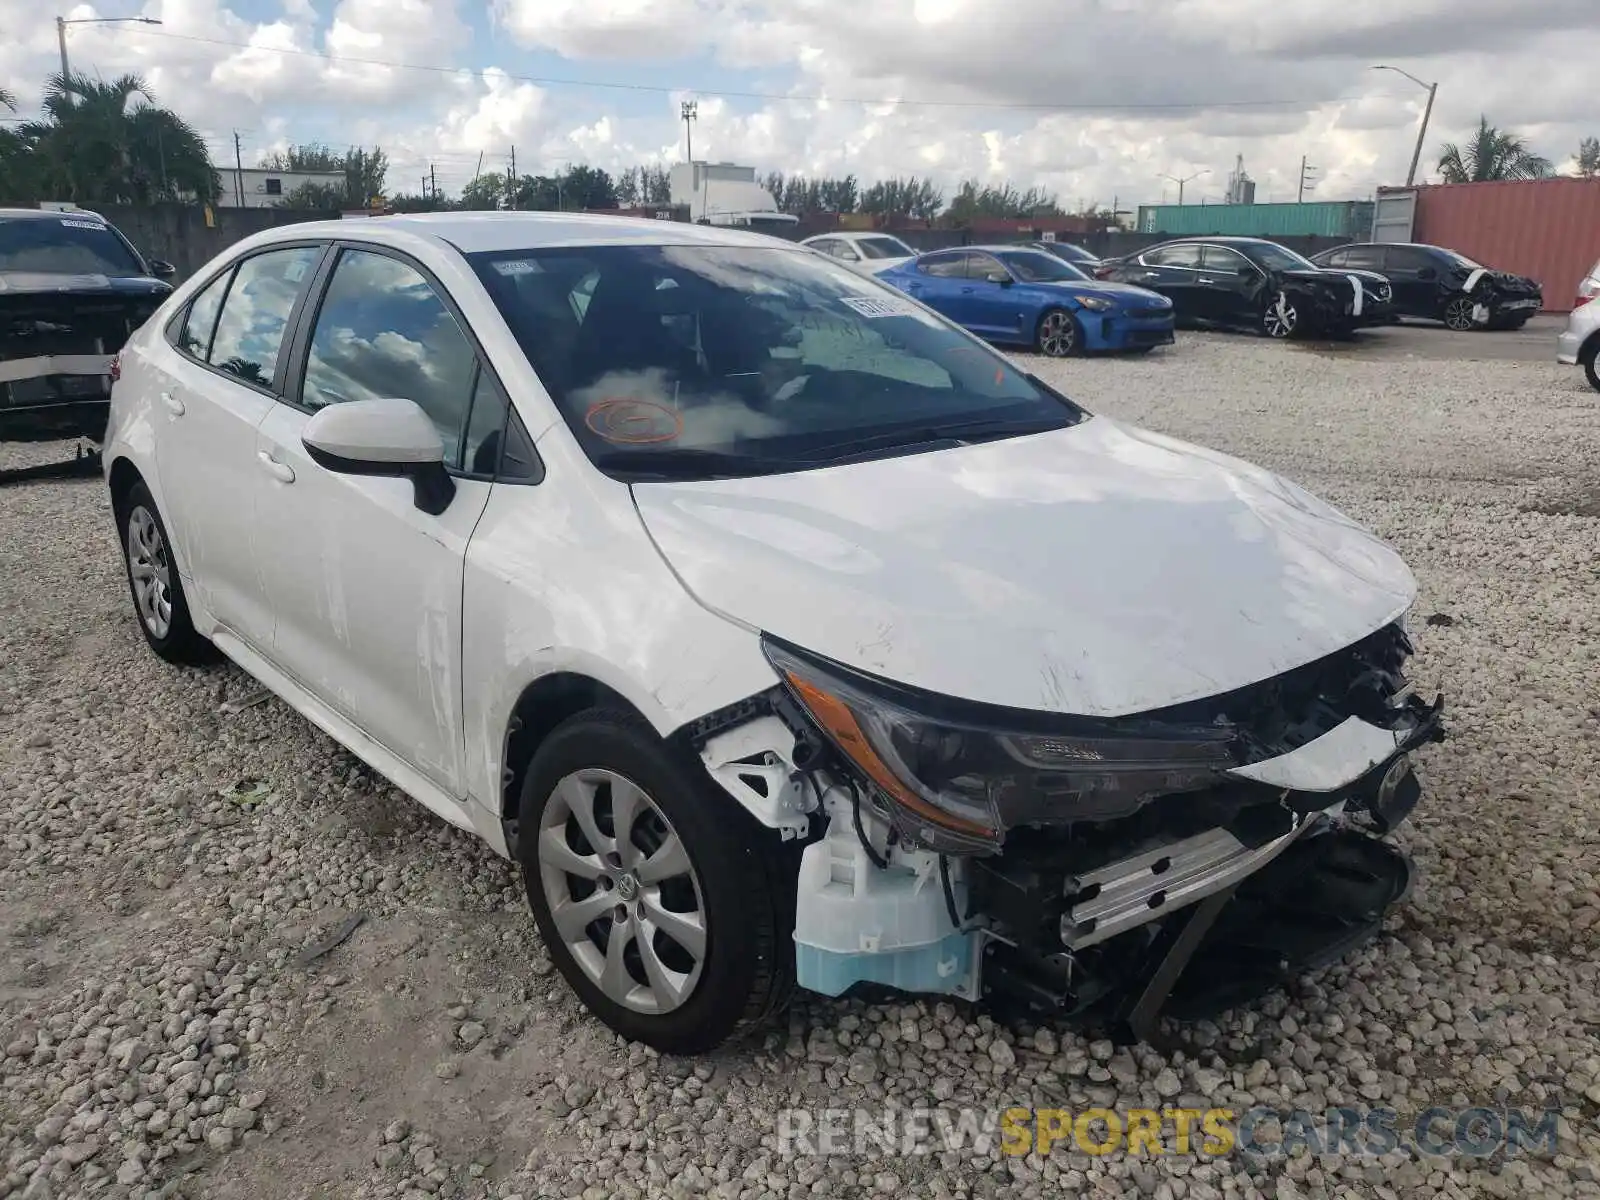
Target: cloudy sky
<point x="1094" y="99"/>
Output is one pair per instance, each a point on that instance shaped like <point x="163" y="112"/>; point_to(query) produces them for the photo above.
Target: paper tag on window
<point x="518" y="266"/>
<point x="95" y="225"/>
<point x="873" y="307"/>
<point x="295" y="271"/>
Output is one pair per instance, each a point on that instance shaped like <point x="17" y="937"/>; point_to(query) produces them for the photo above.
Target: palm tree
<point x="1492" y="154"/>
<point x="7" y="100"/>
<point x="108" y="143"/>
<point x="1588" y="158"/>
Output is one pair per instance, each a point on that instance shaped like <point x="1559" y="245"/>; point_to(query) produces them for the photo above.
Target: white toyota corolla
<point x="782" y="631"/>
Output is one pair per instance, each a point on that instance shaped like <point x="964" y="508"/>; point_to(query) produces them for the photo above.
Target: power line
<point x="617" y="85"/>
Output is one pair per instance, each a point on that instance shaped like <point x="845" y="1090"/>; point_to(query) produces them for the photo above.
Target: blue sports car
<point x="1027" y="297"/>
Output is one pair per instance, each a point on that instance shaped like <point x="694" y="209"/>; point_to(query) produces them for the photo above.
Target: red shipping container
<point x="1546" y="229"/>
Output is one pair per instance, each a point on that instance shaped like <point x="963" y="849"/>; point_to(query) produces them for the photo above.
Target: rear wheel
<point x="1058" y="335"/>
<point x="1590" y="358"/>
<point x="660" y="902"/>
<point x="158" y="598"/>
<point x="1281" y="319"/>
<point x="1458" y="314"/>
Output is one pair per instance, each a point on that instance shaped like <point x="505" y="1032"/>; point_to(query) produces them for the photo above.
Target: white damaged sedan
<point x="783" y="632"/>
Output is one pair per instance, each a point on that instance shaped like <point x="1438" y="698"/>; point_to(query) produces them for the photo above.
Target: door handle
<point x="282" y="472"/>
<point x="967" y="291"/>
<point x="174" y="405"/>
<point x="1203" y="279"/>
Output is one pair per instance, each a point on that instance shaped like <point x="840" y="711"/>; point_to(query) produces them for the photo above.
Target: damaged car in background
<point x="72" y="289"/>
<point x="1433" y="283"/>
<point x="781" y="630"/>
<point x="1255" y="285"/>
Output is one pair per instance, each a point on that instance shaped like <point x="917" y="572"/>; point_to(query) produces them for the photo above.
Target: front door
<point x="1227" y="287"/>
<point x="987" y="306"/>
<point x="939" y="280"/>
<point x="365" y="585"/>
<point x="218" y="381"/>
<point x="1414" y="276"/>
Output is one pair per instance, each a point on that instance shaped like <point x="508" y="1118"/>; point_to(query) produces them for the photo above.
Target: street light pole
<point x="63" y="22"/>
<point x="1184" y="180"/>
<point x="1422" y="133"/>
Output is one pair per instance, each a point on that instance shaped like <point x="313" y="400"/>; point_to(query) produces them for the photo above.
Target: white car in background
<point x="1579" y="343"/>
<point x="779" y="629"/>
<point x="867" y="253"/>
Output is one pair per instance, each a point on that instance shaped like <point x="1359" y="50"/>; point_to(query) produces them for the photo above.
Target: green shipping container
<point x="1330" y="218"/>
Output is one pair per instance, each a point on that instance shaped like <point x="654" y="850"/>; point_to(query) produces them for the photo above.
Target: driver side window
<point x="383" y="333"/>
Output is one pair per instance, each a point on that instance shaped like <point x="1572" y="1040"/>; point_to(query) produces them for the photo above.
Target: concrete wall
<point x="179" y="234"/>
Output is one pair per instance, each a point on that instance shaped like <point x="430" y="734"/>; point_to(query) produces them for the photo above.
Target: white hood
<point x="1100" y="569"/>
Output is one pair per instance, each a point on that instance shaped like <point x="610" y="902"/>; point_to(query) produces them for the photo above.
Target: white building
<point x="258" y="187"/>
<point x="726" y="194"/>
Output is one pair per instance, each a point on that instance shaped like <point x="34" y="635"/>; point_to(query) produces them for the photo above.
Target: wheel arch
<point x="122" y="479"/>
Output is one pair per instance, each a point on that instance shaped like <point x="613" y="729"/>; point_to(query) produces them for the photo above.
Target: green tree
<point x="1588" y="158"/>
<point x="110" y="143"/>
<point x="364" y="173"/>
<point x="1492" y="154"/>
<point x="484" y="192"/>
<point x="316" y="196"/>
<point x="909" y="197"/>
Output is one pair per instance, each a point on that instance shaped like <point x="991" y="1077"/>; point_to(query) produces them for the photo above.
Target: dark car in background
<point x="1020" y="296"/>
<point x="1254" y="284"/>
<point x="1437" y="284"/>
<point x="72" y="289"/>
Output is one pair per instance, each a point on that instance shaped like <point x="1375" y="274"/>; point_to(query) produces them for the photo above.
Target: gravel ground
<point x="170" y="868"/>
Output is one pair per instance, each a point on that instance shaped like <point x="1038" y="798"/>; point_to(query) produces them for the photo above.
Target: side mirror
<point x="999" y="277"/>
<point x="162" y="269"/>
<point x="393" y="438"/>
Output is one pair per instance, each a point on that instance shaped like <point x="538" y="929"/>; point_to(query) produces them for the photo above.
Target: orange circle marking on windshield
<point x="633" y="422"/>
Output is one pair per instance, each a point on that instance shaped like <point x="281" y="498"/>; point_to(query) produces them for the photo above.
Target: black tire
<point x="1457" y="314"/>
<point x="1281" y="319"/>
<point x="1589" y="356"/>
<point x="746" y="887"/>
<point x="179" y="642"/>
<point x="1057" y="334"/>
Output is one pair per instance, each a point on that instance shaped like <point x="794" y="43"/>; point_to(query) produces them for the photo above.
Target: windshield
<point x="1278" y="258"/>
<point x="1070" y="253"/>
<point x="884" y="247"/>
<point x="1462" y="261"/>
<point x="73" y="244"/>
<point x="698" y="361"/>
<point x="1038" y="267"/>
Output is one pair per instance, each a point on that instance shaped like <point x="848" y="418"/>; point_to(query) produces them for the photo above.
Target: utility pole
<point x="689" y="110"/>
<point x="433" y="175"/>
<point x="1185" y="179"/>
<point x="1305" y="180"/>
<point x="511" y="181"/>
<point x="1422" y="133"/>
<point x="63" y="22"/>
<point x="61" y="38"/>
<point x="238" y="172"/>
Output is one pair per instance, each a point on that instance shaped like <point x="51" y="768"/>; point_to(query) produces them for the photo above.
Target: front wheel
<point x="1281" y="319"/>
<point x="1591" y="364"/>
<point x="1058" y="335"/>
<point x="1458" y="314"/>
<point x="661" y="903"/>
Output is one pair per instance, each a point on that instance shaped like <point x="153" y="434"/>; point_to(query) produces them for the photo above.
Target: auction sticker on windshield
<point x="873" y="307"/>
<point x="95" y="225"/>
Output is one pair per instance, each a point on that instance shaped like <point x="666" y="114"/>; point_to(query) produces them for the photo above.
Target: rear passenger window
<point x="950" y="266"/>
<point x="1363" y="258"/>
<point x="250" y="331"/>
<point x="1175" y="256"/>
<point x="383" y="333"/>
<point x="201" y="320"/>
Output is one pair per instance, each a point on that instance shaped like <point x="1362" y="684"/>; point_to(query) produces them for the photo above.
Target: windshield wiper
<point x="982" y="429"/>
<point x="690" y="463"/>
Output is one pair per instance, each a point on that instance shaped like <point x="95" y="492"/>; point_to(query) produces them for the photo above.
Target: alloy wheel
<point x="1281" y="319"/>
<point x="1458" y="314"/>
<point x="622" y="892"/>
<point x="150" y="568"/>
<point x="1058" y="336"/>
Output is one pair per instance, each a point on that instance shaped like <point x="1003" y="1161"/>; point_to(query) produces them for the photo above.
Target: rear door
<point x="939" y="279"/>
<point x="218" y="379"/>
<point x="365" y="586"/>
<point x="1174" y="271"/>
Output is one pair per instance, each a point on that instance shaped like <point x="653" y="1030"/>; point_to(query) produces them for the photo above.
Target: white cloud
<point x="1159" y="86"/>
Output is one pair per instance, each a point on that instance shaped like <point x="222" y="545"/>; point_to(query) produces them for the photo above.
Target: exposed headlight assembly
<point x="1097" y="304"/>
<point x="954" y="778"/>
